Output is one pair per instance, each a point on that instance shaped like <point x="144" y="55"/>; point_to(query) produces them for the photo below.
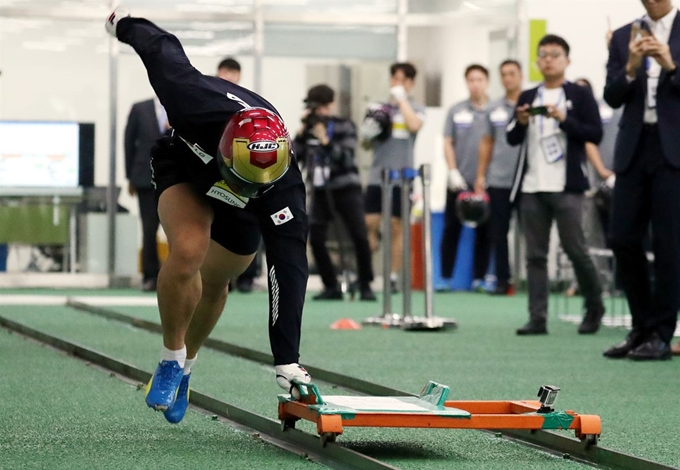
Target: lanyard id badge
<point x="551" y="144"/>
<point x="552" y="148"/>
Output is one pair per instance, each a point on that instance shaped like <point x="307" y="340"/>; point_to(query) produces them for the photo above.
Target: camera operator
<point x="325" y="145"/>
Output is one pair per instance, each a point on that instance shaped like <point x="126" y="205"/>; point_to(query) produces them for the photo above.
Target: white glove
<point x="456" y="181"/>
<point x="288" y="372"/>
<point x="113" y="19"/>
<point x="610" y="181"/>
<point x="370" y="128"/>
<point x="398" y="92"/>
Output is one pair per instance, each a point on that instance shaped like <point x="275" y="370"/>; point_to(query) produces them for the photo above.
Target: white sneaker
<point x="113" y="19"/>
<point x="285" y="374"/>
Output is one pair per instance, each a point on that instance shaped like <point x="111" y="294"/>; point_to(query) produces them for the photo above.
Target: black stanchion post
<point x="428" y="322"/>
<point x="388" y="317"/>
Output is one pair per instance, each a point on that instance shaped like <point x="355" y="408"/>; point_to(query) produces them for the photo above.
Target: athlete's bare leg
<point x="373" y="227"/>
<point x="220" y="266"/>
<point x="186" y="220"/>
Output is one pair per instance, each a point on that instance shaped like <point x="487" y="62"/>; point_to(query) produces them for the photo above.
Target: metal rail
<point x="546" y="441"/>
<point x="332" y="455"/>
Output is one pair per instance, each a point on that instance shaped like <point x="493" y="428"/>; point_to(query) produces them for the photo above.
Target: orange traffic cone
<point x="345" y="324"/>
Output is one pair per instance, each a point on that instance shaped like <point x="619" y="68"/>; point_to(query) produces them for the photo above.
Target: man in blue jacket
<point x="642" y="76"/>
<point x="553" y="122"/>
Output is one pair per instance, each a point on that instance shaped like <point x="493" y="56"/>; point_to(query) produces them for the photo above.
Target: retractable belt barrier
<point x="406" y="320"/>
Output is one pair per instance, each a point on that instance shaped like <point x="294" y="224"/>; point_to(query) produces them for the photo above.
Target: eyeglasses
<point x="553" y="54"/>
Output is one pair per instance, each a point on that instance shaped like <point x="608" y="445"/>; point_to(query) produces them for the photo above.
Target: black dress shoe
<point x="591" y="320"/>
<point x="533" y="328"/>
<point x="149" y="285"/>
<point x="654" y="349"/>
<point x="619" y="351"/>
<point x="244" y="285"/>
<point x="329" y="294"/>
<point x="501" y="289"/>
<point x="367" y="294"/>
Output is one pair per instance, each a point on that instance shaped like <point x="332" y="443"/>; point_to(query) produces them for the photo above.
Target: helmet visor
<point x="242" y="187"/>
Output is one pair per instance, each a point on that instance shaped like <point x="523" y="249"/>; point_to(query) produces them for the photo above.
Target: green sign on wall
<point x="537" y="29"/>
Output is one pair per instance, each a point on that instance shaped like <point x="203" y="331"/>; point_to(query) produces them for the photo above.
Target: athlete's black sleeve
<point x="286" y="248"/>
<point x="187" y="95"/>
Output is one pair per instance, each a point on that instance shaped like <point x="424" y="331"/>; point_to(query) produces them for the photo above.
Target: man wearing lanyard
<point x="553" y="122"/>
<point x="496" y="156"/>
<point x="642" y="77"/>
<point x="463" y="130"/>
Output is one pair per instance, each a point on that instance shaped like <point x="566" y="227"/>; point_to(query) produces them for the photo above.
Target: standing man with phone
<point x="551" y="179"/>
<point x="642" y="76"/>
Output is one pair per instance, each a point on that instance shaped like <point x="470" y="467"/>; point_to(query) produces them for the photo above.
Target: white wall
<point x="443" y="53"/>
<point x="583" y="23"/>
<point x="73" y="84"/>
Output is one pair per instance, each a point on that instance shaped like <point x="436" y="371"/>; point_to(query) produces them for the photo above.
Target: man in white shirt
<point x="553" y="122"/>
<point x="642" y="77"/>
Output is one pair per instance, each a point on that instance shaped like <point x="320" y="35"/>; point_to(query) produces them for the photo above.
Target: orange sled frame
<point x="429" y="410"/>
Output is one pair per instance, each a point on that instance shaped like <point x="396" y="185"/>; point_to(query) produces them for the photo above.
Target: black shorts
<point x="373" y="200"/>
<point x="235" y="229"/>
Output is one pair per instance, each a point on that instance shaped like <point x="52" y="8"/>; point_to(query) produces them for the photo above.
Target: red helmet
<point x="255" y="151"/>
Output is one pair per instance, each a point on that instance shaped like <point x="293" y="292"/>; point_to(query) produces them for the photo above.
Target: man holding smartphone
<point x="642" y="77"/>
<point x="552" y="123"/>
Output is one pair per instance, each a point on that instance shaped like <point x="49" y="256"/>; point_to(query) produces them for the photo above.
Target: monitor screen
<point x="40" y="154"/>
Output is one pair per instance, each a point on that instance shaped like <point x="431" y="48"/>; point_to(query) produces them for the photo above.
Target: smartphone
<point x="538" y="111"/>
<point x="643" y="27"/>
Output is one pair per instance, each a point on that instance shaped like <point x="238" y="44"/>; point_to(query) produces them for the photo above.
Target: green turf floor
<point x="639" y="402"/>
<point x="252" y="386"/>
<point x="484" y="359"/>
<point x="58" y="413"/>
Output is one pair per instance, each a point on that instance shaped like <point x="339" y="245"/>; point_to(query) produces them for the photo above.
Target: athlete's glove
<point x="398" y="92"/>
<point x="113" y="19"/>
<point x="285" y="375"/>
<point x="456" y="181"/>
<point x="370" y="128"/>
<point x="610" y="181"/>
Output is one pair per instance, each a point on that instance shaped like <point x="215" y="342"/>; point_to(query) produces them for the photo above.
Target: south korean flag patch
<point x="282" y="216"/>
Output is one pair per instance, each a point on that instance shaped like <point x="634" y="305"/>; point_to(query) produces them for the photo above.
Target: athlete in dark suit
<point x="224" y="178"/>
<point x="642" y="76"/>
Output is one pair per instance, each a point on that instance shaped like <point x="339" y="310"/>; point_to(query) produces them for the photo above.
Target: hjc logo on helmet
<point x="254" y="151"/>
<point x="263" y="146"/>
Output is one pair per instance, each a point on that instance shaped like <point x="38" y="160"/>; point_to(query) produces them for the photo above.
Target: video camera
<point x="312" y="118"/>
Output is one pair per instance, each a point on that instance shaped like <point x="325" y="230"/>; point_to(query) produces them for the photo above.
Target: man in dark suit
<point x="146" y="123"/>
<point x="642" y="76"/>
<point x="553" y="122"/>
